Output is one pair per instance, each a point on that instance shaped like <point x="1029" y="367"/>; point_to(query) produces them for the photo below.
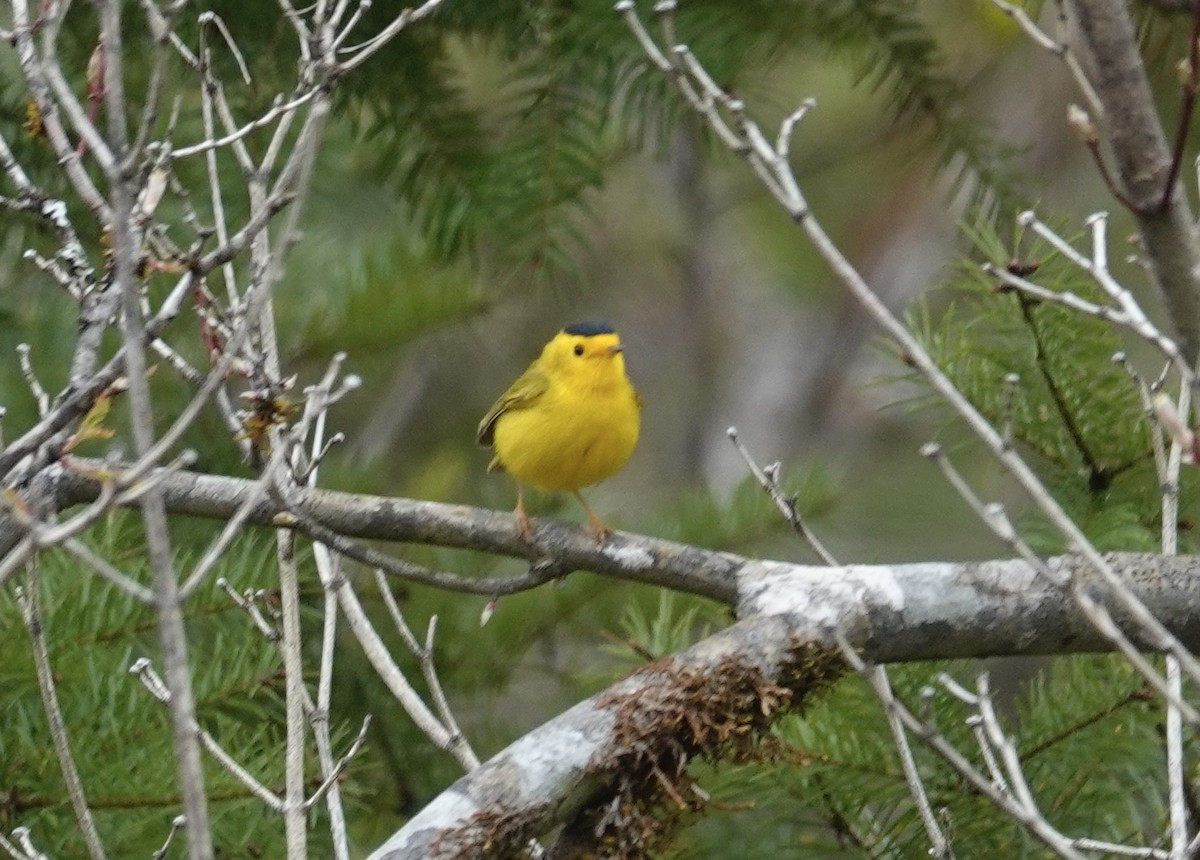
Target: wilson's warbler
<point x="570" y="420"/>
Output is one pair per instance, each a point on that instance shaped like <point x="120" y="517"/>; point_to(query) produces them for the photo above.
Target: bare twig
<point x="424" y="655"/>
<point x="143" y="669"/>
<point x="1029" y="818"/>
<point x="1059" y="49"/>
<point x="785" y="503"/>
<point x="28" y="600"/>
<point x="996" y="519"/>
<point x="177" y="823"/>
<point x="290" y="646"/>
<point x="340" y="765"/>
<point x="359" y="54"/>
<point x="878" y="678"/>
<point x="35" y="387"/>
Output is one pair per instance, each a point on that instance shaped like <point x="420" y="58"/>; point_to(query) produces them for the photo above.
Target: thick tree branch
<point x="665" y="563"/>
<point x="919" y="611"/>
<point x="588" y="758"/>
<point x="601" y="762"/>
<point x="598" y="767"/>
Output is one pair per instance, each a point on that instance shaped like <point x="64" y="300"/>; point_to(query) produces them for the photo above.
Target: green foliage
<point x="674" y="624"/>
<point x="119" y="734"/>
<point x="890" y="46"/>
<point x="391" y="293"/>
<point x="834" y="788"/>
<point x="748" y="516"/>
<point x="1067" y="404"/>
<point x="503" y="172"/>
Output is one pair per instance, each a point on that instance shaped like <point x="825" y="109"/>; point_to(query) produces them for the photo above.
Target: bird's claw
<point x="599" y="529"/>
<point x="524" y="527"/>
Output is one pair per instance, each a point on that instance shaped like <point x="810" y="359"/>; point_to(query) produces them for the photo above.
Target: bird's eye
<point x="579" y="349"/>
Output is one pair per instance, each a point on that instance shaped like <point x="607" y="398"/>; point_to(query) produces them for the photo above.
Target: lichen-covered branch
<point x="604" y="766"/>
<point x="917" y="611"/>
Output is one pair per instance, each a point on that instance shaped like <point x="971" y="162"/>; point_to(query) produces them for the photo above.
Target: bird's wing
<point x="522" y="394"/>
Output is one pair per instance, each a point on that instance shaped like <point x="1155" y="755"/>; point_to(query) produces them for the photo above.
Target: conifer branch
<point x="1098" y="476"/>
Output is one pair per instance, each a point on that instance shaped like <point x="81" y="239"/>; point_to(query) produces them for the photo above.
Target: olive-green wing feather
<point x="522" y="394"/>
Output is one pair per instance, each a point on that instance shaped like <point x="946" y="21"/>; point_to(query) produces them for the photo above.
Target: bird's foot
<point x="524" y="524"/>
<point x="599" y="529"/>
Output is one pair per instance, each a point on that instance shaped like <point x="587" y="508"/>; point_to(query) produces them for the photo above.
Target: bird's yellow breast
<point x="578" y="432"/>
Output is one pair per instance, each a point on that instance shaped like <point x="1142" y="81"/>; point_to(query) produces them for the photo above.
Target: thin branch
<point x="1079" y="120"/>
<point x="1098" y="476"/>
<point x="177" y="824"/>
<point x="27" y="850"/>
<point x="768" y="479"/>
<point x="290" y="646"/>
<point x="172" y="634"/>
<point x="336" y="770"/>
<point x="939" y="845"/>
<point x="424" y="657"/>
<point x="319" y="718"/>
<point x="109" y="572"/>
<point x="153" y="682"/>
<point x="28" y="600"/>
<point x="280" y="108"/>
<point x="315" y="413"/>
<point x="35" y="387"/>
<point x="996" y="519"/>
<point x="359" y="54"/>
<point x="784" y="503"/>
<point x="393" y="678"/>
<point x="1176" y="766"/>
<point x="1030" y="819"/>
<point x="1096" y="265"/>
<point x="33" y="68"/>
<point x="1059" y="49"/>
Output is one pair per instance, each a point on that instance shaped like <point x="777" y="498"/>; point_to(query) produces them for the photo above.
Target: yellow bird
<point x="570" y="420"/>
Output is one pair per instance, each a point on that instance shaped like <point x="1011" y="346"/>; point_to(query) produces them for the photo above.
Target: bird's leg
<point x="524" y="521"/>
<point x="599" y="529"/>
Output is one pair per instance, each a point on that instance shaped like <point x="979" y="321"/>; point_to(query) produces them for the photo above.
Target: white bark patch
<point x="823" y="595"/>
<point x="628" y="555"/>
<point x="544" y="756"/>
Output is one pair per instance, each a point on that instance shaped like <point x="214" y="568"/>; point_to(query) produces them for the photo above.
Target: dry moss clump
<point x="684" y="712"/>
<point x="487" y="835"/>
<point x="673" y="713"/>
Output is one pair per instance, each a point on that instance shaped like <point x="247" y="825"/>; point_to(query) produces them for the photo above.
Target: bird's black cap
<point x="587" y="329"/>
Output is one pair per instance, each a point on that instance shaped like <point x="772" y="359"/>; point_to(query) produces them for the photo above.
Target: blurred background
<point x="514" y="167"/>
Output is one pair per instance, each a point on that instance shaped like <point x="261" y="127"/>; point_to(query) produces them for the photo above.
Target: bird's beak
<point x="616" y="347"/>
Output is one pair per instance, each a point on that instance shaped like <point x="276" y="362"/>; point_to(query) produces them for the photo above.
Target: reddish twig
<point x="1185" y="111"/>
<point x="1093" y="146"/>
